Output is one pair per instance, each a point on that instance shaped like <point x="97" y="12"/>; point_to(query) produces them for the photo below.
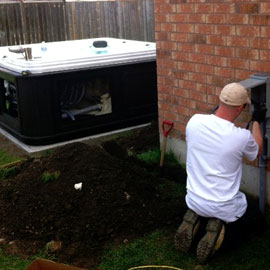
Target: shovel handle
<point x="169" y="125"/>
<point x="163" y="150"/>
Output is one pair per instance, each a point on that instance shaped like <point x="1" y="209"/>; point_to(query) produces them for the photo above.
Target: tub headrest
<point x="100" y="44"/>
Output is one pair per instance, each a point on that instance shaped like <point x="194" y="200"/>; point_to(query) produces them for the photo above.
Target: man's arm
<point x="257" y="134"/>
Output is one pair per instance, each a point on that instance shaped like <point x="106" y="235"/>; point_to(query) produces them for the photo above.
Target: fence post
<point x="24" y="31"/>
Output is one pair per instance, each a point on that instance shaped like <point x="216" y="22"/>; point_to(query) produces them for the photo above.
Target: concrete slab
<point x="30" y="149"/>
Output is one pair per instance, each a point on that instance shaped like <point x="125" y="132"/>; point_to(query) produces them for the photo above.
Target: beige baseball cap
<point x="234" y="94"/>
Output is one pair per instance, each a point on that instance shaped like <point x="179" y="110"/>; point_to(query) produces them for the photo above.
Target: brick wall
<point x="203" y="45"/>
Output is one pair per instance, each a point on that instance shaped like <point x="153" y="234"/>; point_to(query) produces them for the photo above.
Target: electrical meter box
<point x="259" y="87"/>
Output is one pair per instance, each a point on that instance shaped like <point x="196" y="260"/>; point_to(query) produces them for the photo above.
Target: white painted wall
<point x="250" y="180"/>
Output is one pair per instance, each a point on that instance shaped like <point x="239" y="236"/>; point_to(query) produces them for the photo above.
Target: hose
<point x="154" y="266"/>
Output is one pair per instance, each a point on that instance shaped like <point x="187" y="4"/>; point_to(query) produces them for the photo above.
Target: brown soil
<point x="120" y="199"/>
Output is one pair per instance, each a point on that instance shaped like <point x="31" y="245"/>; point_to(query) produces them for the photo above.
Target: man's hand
<point x="259" y="115"/>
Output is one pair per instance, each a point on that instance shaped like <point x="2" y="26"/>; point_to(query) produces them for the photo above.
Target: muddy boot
<point x="211" y="241"/>
<point x="187" y="231"/>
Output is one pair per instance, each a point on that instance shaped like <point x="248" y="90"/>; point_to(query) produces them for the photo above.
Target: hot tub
<point x="57" y="91"/>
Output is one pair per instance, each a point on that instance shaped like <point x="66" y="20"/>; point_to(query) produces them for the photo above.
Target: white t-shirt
<point x="214" y="166"/>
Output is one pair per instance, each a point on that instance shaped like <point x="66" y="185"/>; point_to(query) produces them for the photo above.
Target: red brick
<point x="197" y="77"/>
<point x="178" y="74"/>
<point x="175" y="1"/>
<point x="180" y="127"/>
<point x="181" y="92"/>
<point x="238" y="63"/>
<point x="168" y="27"/>
<point x="164" y="89"/>
<point x="179" y="18"/>
<point x="187" y="102"/>
<point x="168" y="45"/>
<point x="217" y="60"/>
<point x="162" y="36"/>
<point x="224" y="51"/>
<point x="204" y="49"/>
<point x="204" y="29"/>
<point x="237" y="19"/>
<point x="205" y="88"/>
<point x="247" y="53"/>
<point x="248" y="31"/>
<point x="196" y="18"/>
<point x="187" y="84"/>
<point x="216" y="80"/>
<point x="184" y="28"/>
<point x="204" y="107"/>
<point x="224" y="72"/>
<point x="224" y="8"/>
<point x="225" y="30"/>
<point x="203" y="8"/>
<point x="265" y="31"/>
<point x="199" y="96"/>
<point x="197" y="58"/>
<point x="237" y="41"/>
<point x="197" y="38"/>
<point x="260" y="19"/>
<point x="216" y="40"/>
<point x="182" y="56"/>
<point x="216" y="18"/>
<point x="185" y="8"/>
<point x="242" y="74"/>
<point x="247" y="8"/>
<point x="212" y="99"/>
<point x="164" y="54"/>
<point x="179" y="37"/>
<point x="186" y="66"/>
<point x="164" y="71"/>
<point x="260" y="66"/>
<point x="172" y="116"/>
<point x="157" y="26"/>
<point x="162" y="18"/>
<point x="260" y="43"/>
<point x="161" y="1"/>
<point x="205" y="69"/>
<point x="167" y="8"/>
<point x="265" y="55"/>
<point x="170" y="81"/>
<point x="186" y="47"/>
<point x="265" y="8"/>
<point x="164" y="96"/>
<point x="182" y="110"/>
<point x="167" y="63"/>
<point x="165" y="106"/>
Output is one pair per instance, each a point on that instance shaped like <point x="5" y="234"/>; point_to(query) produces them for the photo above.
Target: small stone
<point x="3" y="241"/>
<point x="125" y="241"/>
<point x="53" y="246"/>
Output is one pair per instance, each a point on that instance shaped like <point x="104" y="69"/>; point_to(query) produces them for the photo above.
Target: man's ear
<point x="240" y="108"/>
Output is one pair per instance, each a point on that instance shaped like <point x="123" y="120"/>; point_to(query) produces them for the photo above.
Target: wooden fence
<point x="24" y="23"/>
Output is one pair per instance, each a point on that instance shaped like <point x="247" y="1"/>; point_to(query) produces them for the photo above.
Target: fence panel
<point x="22" y="23"/>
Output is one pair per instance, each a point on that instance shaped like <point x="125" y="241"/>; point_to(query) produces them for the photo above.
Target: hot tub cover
<point x="77" y="54"/>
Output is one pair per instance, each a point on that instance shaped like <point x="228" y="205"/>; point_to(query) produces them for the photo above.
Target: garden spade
<point x="166" y="128"/>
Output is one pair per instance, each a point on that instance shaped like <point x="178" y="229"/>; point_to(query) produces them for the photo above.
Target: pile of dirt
<point x="119" y="200"/>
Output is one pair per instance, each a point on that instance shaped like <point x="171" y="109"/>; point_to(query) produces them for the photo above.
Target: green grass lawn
<point x="158" y="249"/>
<point x="6" y="158"/>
